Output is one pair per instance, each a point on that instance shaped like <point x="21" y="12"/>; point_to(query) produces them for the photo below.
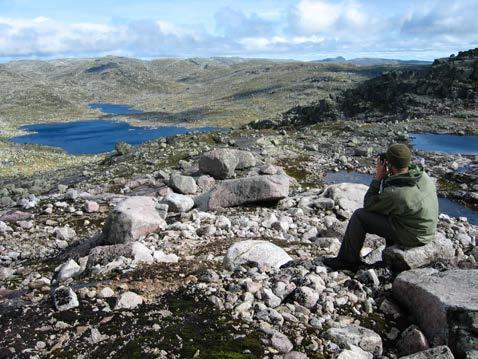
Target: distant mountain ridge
<point x="448" y="86"/>
<point x="372" y="61"/>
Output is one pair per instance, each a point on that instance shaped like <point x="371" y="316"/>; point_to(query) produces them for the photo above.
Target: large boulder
<point x="348" y="196"/>
<point x="222" y="162"/>
<point x="132" y="218"/>
<point x="364" y="338"/>
<point x="260" y="252"/>
<point x="410" y="258"/>
<point x="445" y="305"/>
<point x="219" y="163"/>
<point x="236" y="192"/>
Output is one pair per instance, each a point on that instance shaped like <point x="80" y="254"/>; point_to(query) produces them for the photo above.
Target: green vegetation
<point x="445" y="185"/>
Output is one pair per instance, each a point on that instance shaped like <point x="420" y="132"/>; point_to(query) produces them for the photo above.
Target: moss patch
<point x="447" y="185"/>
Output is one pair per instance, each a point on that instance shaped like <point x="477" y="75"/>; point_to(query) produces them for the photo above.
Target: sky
<point x="300" y="29"/>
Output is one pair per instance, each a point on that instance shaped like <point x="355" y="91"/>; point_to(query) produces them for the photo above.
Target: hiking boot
<point x="336" y="263"/>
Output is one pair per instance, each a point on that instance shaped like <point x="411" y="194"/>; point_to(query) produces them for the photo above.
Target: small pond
<point x="97" y="136"/>
<point x="466" y="145"/>
<point x="451" y="208"/>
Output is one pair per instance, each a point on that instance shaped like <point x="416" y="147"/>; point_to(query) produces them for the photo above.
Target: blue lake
<point x="115" y="109"/>
<point x="447" y="206"/>
<point x="467" y="145"/>
<point x="97" y="136"/>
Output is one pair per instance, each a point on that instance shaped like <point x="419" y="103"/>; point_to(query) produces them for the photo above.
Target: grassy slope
<point x="213" y="91"/>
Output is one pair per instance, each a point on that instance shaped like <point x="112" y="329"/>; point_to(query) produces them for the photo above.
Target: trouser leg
<point x="361" y="223"/>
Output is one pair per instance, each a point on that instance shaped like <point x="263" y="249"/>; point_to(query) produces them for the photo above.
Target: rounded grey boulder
<point x="132" y="218"/>
<point x="260" y="252"/>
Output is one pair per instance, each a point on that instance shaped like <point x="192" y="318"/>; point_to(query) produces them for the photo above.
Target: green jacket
<point x="410" y="201"/>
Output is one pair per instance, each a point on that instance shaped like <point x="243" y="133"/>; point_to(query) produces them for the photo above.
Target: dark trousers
<point x="361" y="223"/>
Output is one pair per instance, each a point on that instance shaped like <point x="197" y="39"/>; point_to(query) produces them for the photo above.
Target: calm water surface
<point x="451" y="208"/>
<point x="97" y="136"/>
<point x="115" y="109"/>
<point x="467" y="145"/>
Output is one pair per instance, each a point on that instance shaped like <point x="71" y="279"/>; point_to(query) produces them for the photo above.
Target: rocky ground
<point x="211" y="246"/>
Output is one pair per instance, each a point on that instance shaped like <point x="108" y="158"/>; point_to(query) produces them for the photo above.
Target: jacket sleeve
<point x="382" y="203"/>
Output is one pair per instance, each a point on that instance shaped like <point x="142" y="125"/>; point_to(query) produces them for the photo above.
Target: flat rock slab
<point x="260" y="252"/>
<point x="247" y="190"/>
<point x="445" y="305"/>
<point x="401" y="259"/>
<point x="131" y="219"/>
<point x="441" y="352"/>
<point x="361" y="337"/>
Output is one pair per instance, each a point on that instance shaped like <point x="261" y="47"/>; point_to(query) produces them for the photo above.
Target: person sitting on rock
<point x="401" y="205"/>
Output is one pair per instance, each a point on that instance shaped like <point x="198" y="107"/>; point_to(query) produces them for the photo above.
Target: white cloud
<point x="314" y="16"/>
<point x="442" y="18"/>
<point x="309" y="29"/>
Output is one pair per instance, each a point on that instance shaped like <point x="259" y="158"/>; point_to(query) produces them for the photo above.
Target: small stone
<point x="441" y="352"/>
<point x="69" y="269"/>
<point x="295" y="355"/>
<point x="306" y="296"/>
<point x="91" y="207"/>
<point x="128" y="300"/>
<point x="39" y="283"/>
<point x="270" y="299"/>
<point x="161" y="257"/>
<point x="260" y="252"/>
<point x="222" y="222"/>
<point x="40" y="345"/>
<point x="354" y="353"/>
<point x="369" y="277"/>
<point x="183" y="184"/>
<point x="64" y="298"/>
<point x="281" y="343"/>
<point x="364" y="338"/>
<point x="105" y="292"/>
<point x="178" y="202"/>
<point x="25" y="224"/>
<point x="411" y="341"/>
<point x="6" y="273"/>
<point x="71" y="194"/>
<point x="65" y="233"/>
<point x="96" y="336"/>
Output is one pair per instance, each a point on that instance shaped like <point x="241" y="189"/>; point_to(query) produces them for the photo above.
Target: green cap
<point x="399" y="155"/>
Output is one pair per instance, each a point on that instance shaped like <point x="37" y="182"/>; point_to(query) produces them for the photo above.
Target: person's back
<point x="411" y="204"/>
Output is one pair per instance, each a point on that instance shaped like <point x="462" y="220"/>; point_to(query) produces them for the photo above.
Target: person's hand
<point x="380" y="170"/>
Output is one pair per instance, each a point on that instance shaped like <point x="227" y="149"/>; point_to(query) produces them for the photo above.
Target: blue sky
<point x="301" y="29"/>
